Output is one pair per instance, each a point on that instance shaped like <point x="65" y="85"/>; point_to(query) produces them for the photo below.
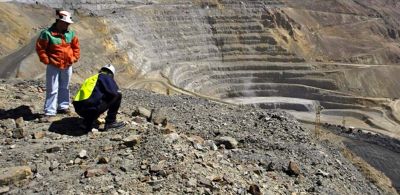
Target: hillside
<point x="292" y="55"/>
<point x="203" y="148"/>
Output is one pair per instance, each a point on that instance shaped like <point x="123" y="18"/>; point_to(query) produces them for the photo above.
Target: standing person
<point x="98" y="94"/>
<point x="58" y="48"/>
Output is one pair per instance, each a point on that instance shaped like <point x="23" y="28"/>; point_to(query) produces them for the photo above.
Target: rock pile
<point x="176" y="144"/>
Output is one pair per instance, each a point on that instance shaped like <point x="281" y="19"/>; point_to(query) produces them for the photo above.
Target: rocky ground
<point x="171" y="145"/>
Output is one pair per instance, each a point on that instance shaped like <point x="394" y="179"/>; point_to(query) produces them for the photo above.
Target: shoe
<point x="114" y="125"/>
<point x="64" y="111"/>
<point x="48" y="118"/>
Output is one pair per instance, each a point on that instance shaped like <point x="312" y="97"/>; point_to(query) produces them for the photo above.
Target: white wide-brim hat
<point x="65" y="16"/>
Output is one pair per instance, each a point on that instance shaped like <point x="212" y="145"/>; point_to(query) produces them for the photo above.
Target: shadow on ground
<point x="21" y="111"/>
<point x="68" y="126"/>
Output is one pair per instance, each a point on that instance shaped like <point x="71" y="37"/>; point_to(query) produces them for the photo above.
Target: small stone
<point x="132" y="140"/>
<point x="145" y="179"/>
<point x="19" y="122"/>
<point x="196" y="139"/>
<point x="53" y="149"/>
<point x="198" y="146"/>
<point x="4" y="189"/>
<point x="228" y="142"/>
<point x="189" y="190"/>
<point x="54" y="165"/>
<point x="107" y="148"/>
<point x="323" y="173"/>
<point x="205" y="182"/>
<point x="155" y="182"/>
<point x="12" y="175"/>
<point x="218" y="178"/>
<point x="142" y="112"/>
<point x="159" y="116"/>
<point x="157" y="170"/>
<point x="211" y="145"/>
<point x="38" y="176"/>
<point x="138" y="120"/>
<point x="13" y="146"/>
<point x="116" y="138"/>
<point x="172" y="137"/>
<point x="293" y="169"/>
<point x="103" y="160"/>
<point x="254" y="190"/>
<point x="96" y="172"/>
<point x="77" y="161"/>
<point x="19" y="133"/>
<point x="38" y="135"/>
<point x="83" y="154"/>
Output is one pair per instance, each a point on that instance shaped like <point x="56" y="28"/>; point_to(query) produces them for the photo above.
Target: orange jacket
<point x="58" y="49"/>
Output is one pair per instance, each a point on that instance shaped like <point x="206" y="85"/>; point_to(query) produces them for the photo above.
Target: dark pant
<point x="90" y="114"/>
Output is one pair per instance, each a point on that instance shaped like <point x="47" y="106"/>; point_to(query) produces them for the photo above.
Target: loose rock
<point x="12" y="175"/>
<point x="228" y="142"/>
<point x="96" y="172"/>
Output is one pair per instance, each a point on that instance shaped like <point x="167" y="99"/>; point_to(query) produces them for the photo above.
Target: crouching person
<point x="98" y="94"/>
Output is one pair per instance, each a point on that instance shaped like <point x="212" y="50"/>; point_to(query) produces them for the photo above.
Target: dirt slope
<point x="262" y="151"/>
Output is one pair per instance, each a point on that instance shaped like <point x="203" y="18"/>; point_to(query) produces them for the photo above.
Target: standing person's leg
<point x="50" y="105"/>
<point x="63" y="96"/>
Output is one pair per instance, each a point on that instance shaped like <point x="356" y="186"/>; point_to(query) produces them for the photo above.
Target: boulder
<point x="293" y="169"/>
<point x="39" y="135"/>
<point x="132" y="140"/>
<point x="19" y="122"/>
<point x="8" y="123"/>
<point x="19" y="133"/>
<point x="142" y="112"/>
<point x="159" y="116"/>
<point x="10" y="175"/>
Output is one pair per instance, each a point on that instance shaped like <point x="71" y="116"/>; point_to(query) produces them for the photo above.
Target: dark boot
<point x="114" y="125"/>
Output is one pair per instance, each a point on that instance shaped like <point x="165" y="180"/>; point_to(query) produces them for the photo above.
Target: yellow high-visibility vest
<point x="87" y="88"/>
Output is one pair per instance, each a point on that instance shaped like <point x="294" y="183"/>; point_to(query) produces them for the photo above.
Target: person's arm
<point x="75" y="48"/>
<point x="109" y="87"/>
<point x="41" y="47"/>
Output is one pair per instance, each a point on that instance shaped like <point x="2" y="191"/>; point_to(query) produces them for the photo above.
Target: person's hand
<point x="46" y="61"/>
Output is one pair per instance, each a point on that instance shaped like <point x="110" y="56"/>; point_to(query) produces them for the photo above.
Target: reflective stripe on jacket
<point x="58" y="49"/>
<point x="86" y="89"/>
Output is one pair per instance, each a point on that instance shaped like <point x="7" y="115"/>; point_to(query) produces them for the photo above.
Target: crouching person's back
<point x="98" y="94"/>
